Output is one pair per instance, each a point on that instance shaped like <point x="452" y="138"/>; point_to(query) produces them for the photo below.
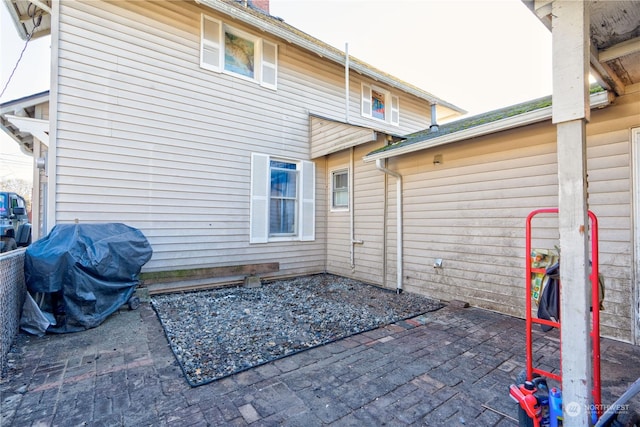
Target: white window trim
<point x="392" y="104"/>
<point x="217" y="42"/>
<point x="332" y="207"/>
<point x="260" y="199"/>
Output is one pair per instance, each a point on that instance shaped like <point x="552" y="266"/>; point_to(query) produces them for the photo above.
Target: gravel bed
<point x="220" y="332"/>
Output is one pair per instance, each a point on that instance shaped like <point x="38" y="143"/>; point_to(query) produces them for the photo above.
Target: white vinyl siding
<point x="147" y="137"/>
<point x="369" y="223"/>
<point x="470" y="211"/>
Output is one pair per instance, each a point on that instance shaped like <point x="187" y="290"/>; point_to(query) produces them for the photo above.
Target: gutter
<point x="597" y="100"/>
<point x="399" y="239"/>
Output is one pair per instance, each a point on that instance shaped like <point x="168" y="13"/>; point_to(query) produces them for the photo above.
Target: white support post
<point x="570" y="29"/>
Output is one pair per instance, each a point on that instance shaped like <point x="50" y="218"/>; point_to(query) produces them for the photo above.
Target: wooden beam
<point x="604" y="75"/>
<point x="570" y="50"/>
<point x="621" y="49"/>
<point x="154" y="277"/>
<point x="571" y="54"/>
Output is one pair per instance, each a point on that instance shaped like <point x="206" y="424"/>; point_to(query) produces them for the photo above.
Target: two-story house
<point x="229" y="137"/>
<point x="236" y="144"/>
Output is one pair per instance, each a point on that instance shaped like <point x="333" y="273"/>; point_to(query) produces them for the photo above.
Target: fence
<point x="12" y="294"/>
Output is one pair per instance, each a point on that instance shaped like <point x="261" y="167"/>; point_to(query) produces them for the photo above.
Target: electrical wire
<point x="36" y="19"/>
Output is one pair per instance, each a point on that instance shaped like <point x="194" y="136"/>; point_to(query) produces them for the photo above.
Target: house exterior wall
<point x="368" y="219"/>
<point x="145" y="136"/>
<point x="471" y="211"/>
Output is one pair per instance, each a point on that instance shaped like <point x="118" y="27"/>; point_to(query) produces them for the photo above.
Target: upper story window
<point x="340" y="189"/>
<point x="230" y="50"/>
<point x="380" y="104"/>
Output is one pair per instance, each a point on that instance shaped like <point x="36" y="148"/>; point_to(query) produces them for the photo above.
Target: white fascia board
<point x="321" y="49"/>
<point x="598" y="100"/>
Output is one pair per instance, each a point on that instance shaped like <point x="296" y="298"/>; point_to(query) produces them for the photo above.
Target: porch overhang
<point x="615" y="41"/>
<point x="330" y="136"/>
<point x="17" y="119"/>
<point x="32" y="18"/>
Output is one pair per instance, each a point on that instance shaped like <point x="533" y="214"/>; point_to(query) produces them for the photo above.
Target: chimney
<point x="262" y="5"/>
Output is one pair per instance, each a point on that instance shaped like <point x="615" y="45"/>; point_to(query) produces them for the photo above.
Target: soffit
<point x="614" y="30"/>
<point x="30" y="16"/>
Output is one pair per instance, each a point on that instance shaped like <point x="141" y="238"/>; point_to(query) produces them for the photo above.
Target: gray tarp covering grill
<point x="82" y="273"/>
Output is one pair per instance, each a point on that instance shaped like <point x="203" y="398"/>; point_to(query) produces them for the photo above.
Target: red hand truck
<point x="595" y="304"/>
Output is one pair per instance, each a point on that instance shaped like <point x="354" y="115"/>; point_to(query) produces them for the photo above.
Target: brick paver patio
<point x="451" y="367"/>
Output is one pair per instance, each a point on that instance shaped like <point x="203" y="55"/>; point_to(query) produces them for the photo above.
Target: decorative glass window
<point x="377" y="104"/>
<point x="282" y="199"/>
<point x="340" y="189"/>
<point x="239" y="54"/>
<point x="229" y="50"/>
<point x="380" y="104"/>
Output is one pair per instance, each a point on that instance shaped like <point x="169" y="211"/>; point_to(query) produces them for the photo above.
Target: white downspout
<point x="352" y="210"/>
<point x="399" y="239"/>
<point x="50" y="211"/>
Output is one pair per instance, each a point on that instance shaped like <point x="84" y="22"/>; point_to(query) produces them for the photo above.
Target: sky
<point x="479" y="55"/>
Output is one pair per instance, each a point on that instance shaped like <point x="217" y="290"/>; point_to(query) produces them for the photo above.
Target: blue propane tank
<point x="555" y="407"/>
